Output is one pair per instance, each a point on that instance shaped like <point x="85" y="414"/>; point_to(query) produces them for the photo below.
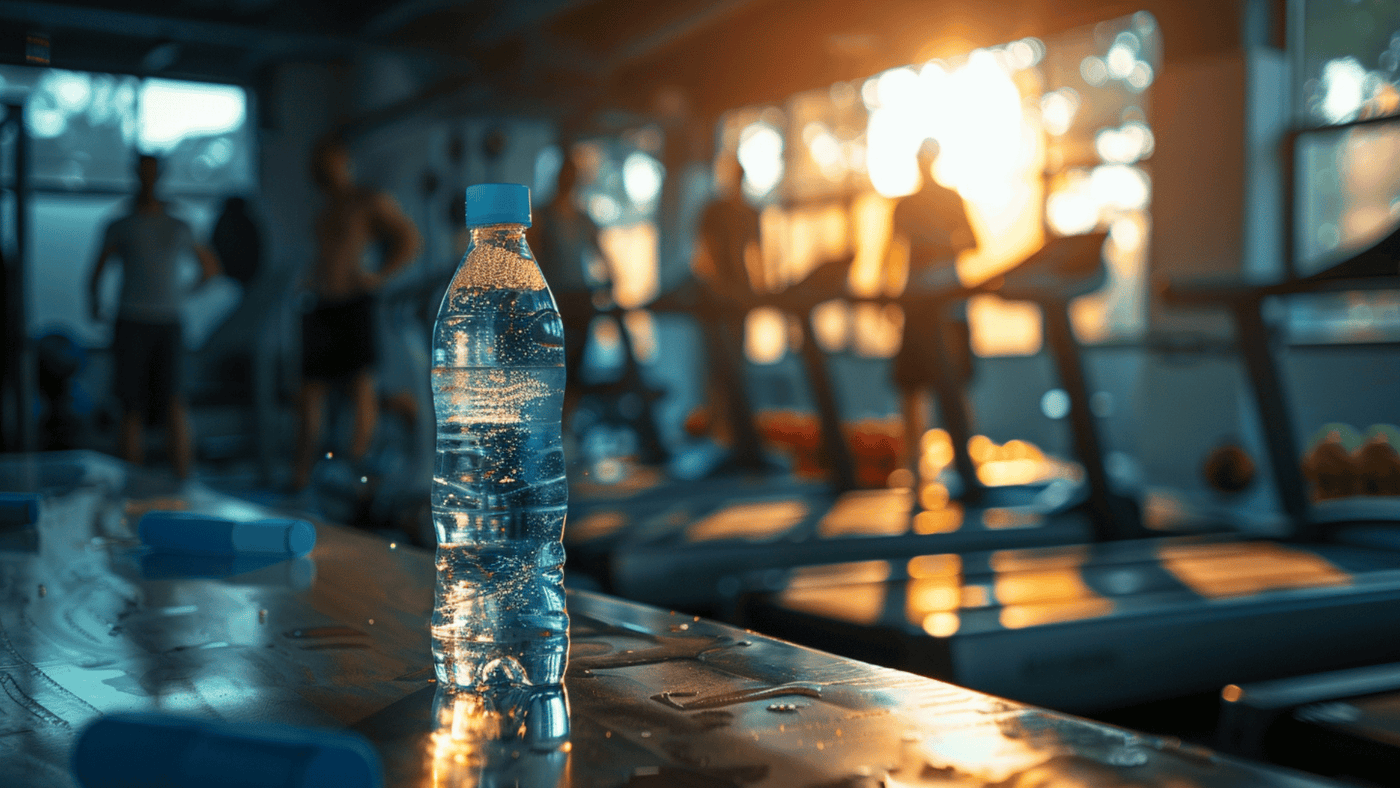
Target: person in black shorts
<point x="147" y="342"/>
<point x="338" y="339"/>
<point x="933" y="223"/>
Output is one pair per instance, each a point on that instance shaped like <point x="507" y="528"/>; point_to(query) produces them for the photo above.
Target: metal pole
<point x="1275" y="417"/>
<point x="8" y="410"/>
<point x="843" y="465"/>
<point x="1059" y="338"/>
<point x="24" y="379"/>
<point x="1289" y="153"/>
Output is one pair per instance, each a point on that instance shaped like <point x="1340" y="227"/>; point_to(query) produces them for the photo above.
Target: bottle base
<point x="476" y="665"/>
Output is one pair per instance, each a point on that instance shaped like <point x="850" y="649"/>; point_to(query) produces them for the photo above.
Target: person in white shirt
<point x="147" y="341"/>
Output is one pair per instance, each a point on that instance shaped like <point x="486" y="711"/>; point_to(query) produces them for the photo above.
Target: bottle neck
<point x="510" y="237"/>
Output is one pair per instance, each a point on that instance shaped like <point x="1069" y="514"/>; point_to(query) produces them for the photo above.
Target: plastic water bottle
<point x="499" y="491"/>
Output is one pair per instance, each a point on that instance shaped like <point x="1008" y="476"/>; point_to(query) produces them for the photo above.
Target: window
<point x="1037" y="136"/>
<point x="86" y="130"/>
<point x="1347" y="67"/>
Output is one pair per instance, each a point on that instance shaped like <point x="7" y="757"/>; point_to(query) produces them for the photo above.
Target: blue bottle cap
<point x="202" y="533"/>
<point x="498" y="203"/>
<point x="19" y="509"/>
<point x="157" y="749"/>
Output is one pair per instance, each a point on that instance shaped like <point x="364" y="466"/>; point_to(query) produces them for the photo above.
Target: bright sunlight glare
<point x="761" y="155"/>
<point x="972" y="110"/>
<point x="172" y="111"/>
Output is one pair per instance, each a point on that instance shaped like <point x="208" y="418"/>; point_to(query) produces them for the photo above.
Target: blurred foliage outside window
<point x="1346" y="67"/>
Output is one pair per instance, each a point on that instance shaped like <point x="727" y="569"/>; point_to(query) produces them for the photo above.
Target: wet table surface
<point x="91" y="625"/>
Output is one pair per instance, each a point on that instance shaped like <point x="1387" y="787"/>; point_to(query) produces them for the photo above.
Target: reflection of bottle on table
<point x="499" y="491"/>
<point x="500" y="737"/>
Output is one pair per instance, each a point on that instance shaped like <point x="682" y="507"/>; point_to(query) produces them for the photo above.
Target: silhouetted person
<point x="729" y="232"/>
<point x="729" y="248"/>
<point x="237" y="241"/>
<point x="565" y="239"/>
<point x="147" y="342"/>
<point x="338" y="344"/>
<point x="933" y="223"/>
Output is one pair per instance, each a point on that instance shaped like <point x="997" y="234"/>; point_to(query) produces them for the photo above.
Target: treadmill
<point x="1088" y="628"/>
<point x="1106" y="625"/>
<point x="673" y="543"/>
<point x="1360" y="520"/>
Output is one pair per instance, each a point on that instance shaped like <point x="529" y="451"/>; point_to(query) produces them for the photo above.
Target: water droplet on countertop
<point x="1128" y="756"/>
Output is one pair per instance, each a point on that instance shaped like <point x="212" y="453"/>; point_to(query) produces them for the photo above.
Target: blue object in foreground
<point x="124" y="750"/>
<point x="19" y="508"/>
<point x="201" y="533"/>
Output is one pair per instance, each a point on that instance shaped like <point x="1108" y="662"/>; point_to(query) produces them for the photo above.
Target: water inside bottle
<point x="499" y="490"/>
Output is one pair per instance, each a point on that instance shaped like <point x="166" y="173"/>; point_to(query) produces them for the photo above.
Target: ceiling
<point x="573" y="56"/>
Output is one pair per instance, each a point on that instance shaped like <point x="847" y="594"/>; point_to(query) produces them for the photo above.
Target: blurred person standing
<point x="932" y="223"/>
<point x="728" y="261"/>
<point x="566" y="240"/>
<point x="147" y="340"/>
<point x="338" y="333"/>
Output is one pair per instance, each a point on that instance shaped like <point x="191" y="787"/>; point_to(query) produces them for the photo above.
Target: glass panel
<point x="85" y="131"/>
<point x="1065" y="116"/>
<point x="1348" y="192"/>
<point x="201" y="131"/>
<point x="87" y="128"/>
<point x="82" y="127"/>
<point x="1348" y="180"/>
<point x="1350" y="60"/>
